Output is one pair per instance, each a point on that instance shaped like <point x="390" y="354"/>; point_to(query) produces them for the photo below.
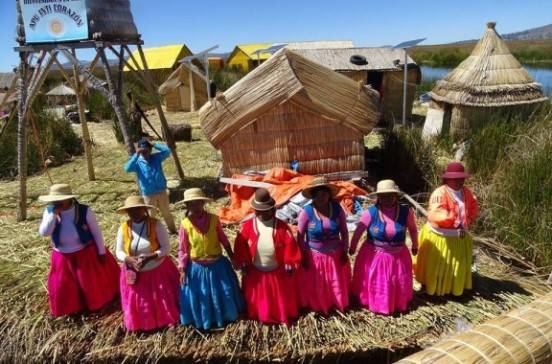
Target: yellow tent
<point x="242" y="56"/>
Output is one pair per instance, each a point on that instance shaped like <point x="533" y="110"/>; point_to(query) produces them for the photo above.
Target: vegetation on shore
<point x="529" y="52"/>
<point x="510" y="158"/>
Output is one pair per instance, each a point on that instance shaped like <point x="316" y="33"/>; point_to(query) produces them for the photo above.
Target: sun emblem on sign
<point x="56" y="27"/>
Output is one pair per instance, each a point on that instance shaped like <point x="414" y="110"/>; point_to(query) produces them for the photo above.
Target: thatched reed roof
<point x="61" y="90"/>
<point x="491" y="76"/>
<point x="181" y="76"/>
<point x="320" y="44"/>
<point x="288" y="76"/>
<point x="339" y="59"/>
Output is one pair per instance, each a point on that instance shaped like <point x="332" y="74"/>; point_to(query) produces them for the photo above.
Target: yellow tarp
<point x="161" y="57"/>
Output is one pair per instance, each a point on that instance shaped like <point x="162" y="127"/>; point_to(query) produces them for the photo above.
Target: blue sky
<point x="201" y="24"/>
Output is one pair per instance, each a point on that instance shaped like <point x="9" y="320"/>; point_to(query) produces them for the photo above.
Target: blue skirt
<point x="211" y="296"/>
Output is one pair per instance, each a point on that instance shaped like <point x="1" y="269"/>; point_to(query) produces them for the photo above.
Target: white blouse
<point x="141" y="245"/>
<point x="265" y="257"/>
<point x="69" y="241"/>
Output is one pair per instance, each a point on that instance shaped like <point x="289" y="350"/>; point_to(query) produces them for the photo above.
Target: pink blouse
<point x="303" y="220"/>
<point x="202" y="224"/>
<point x="389" y="215"/>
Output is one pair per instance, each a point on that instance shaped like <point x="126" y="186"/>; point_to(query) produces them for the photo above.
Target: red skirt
<point x="151" y="303"/>
<point x="79" y="281"/>
<point x="270" y="296"/>
<point x="325" y="283"/>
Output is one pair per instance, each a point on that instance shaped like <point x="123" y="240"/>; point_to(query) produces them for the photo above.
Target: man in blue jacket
<point x="151" y="179"/>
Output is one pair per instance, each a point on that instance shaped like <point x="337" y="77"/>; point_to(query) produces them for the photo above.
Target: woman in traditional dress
<point x="210" y="294"/>
<point x="268" y="253"/>
<point x="325" y="275"/>
<point x="445" y="257"/>
<point x="83" y="273"/>
<point x="382" y="279"/>
<point x="149" y="278"/>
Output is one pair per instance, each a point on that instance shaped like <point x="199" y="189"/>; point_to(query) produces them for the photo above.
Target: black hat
<point x="262" y="201"/>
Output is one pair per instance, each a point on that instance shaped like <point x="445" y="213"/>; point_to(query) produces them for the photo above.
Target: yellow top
<point x="203" y="245"/>
<point x="243" y="54"/>
<point x="151" y="234"/>
<point x="160" y="57"/>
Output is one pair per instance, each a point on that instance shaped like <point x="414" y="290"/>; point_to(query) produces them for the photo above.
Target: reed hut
<point x="62" y="95"/>
<point x="382" y="70"/>
<point x="291" y="108"/>
<point x="185" y="89"/>
<point x="489" y="81"/>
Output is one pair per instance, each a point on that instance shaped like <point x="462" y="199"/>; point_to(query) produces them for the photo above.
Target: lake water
<point x="541" y="75"/>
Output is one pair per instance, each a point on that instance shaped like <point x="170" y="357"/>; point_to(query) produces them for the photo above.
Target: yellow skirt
<point x="444" y="263"/>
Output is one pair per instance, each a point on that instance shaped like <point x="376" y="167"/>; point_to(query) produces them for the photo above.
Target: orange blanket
<point x="285" y="185"/>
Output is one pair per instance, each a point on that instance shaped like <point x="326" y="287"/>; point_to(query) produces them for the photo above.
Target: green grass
<point x="530" y="52"/>
<point x="513" y="163"/>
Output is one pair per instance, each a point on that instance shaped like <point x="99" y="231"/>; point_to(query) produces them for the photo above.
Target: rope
<point x="497" y="342"/>
<point x="471" y="347"/>
<point x="446" y="353"/>
<point x="40" y="147"/>
<point x="533" y="326"/>
<point x="514" y="336"/>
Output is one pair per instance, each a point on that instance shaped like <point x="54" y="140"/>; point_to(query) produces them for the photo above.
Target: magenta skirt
<point x="152" y="302"/>
<point x="382" y="280"/>
<point x="80" y="282"/>
<point x="271" y="297"/>
<point x="325" y="284"/>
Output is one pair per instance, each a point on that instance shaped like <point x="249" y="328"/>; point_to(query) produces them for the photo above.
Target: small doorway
<point x="375" y="80"/>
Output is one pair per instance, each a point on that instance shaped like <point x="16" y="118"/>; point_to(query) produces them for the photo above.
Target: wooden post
<point x="80" y="89"/>
<point x="22" y="138"/>
<point x="117" y="104"/>
<point x="162" y="119"/>
<point x="192" y="90"/>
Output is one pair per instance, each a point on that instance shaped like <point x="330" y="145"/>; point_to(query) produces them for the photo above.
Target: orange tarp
<point x="285" y="185"/>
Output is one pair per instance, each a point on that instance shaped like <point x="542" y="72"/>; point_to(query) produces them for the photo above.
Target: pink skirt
<point x="270" y="296"/>
<point x="383" y="280"/>
<point x="152" y="302"/>
<point x="325" y="284"/>
<point x="80" y="282"/>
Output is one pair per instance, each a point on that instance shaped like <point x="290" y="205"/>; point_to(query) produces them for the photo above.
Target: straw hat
<point x="195" y="194"/>
<point x="320" y="182"/>
<point x="386" y="186"/>
<point x="455" y="170"/>
<point x="132" y="202"/>
<point x="58" y="192"/>
<point x="262" y="201"/>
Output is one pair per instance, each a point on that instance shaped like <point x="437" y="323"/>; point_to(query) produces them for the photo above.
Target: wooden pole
<point x="80" y="89"/>
<point x="22" y="138"/>
<point x="192" y="90"/>
<point x="164" y="124"/>
<point x="117" y="104"/>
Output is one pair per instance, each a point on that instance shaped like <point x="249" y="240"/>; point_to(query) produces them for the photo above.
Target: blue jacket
<point x="151" y="178"/>
<point x="85" y="235"/>
<point x="376" y="230"/>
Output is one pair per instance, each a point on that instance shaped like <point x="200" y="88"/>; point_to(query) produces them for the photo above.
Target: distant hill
<point x="540" y="33"/>
<point x="544" y="32"/>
